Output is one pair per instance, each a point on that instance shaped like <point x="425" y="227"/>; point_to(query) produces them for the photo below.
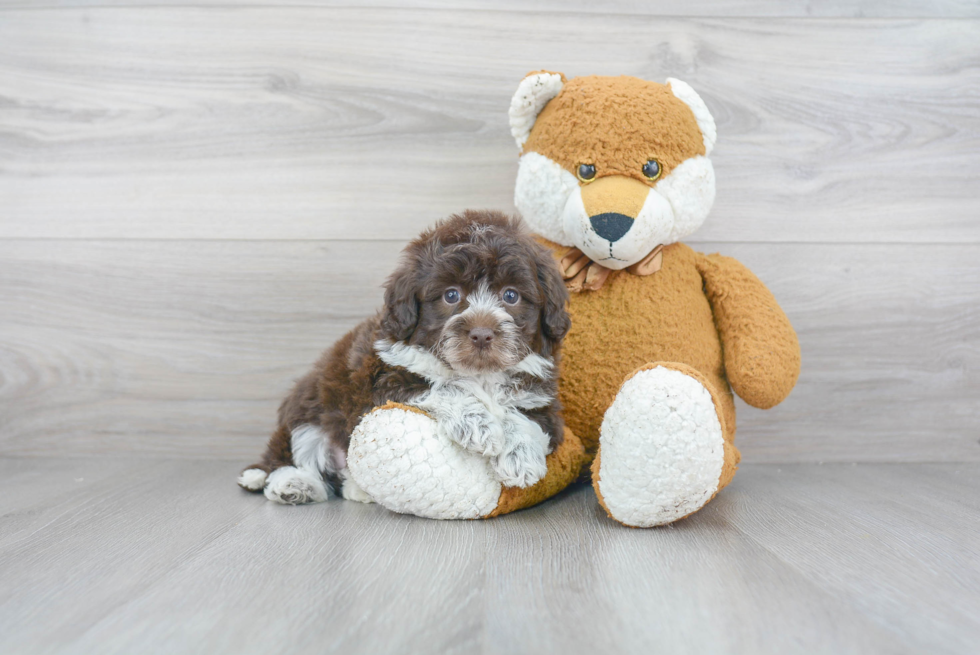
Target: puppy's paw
<point x="292" y="486"/>
<point x="352" y="491"/>
<point x="475" y="430"/>
<point x="520" y="466"/>
<point x="252" y="479"/>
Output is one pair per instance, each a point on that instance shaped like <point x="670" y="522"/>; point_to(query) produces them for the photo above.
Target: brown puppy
<point x="470" y="332"/>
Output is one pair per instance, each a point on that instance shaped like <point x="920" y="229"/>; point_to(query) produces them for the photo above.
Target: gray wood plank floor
<point x="162" y="556"/>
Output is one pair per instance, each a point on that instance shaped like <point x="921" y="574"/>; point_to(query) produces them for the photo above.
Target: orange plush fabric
<point x="762" y="354"/>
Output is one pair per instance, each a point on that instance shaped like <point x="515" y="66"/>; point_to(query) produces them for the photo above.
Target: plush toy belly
<point x="633" y="321"/>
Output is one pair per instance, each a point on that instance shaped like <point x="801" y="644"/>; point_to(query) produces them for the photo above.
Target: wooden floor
<point x="169" y="556"/>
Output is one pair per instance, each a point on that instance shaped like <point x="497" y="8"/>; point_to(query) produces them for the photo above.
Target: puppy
<point x="470" y="332"/>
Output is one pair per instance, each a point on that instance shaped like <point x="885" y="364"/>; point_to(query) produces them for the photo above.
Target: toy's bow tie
<point x="582" y="274"/>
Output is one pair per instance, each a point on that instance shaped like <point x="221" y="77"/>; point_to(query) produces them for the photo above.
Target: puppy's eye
<point x="652" y="169"/>
<point x="586" y="172"/>
<point x="451" y="296"/>
<point x="510" y="296"/>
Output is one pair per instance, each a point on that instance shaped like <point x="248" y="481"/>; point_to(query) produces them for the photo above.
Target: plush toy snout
<point x="612" y="204"/>
<point x="617" y="220"/>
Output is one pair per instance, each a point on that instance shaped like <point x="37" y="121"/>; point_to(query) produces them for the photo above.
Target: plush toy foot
<point x="398" y="457"/>
<point x="662" y="451"/>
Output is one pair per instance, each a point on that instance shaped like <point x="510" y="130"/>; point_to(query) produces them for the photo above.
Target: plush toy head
<point x="614" y="166"/>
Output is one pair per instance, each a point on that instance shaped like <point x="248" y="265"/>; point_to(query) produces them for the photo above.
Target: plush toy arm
<point x="762" y="354"/>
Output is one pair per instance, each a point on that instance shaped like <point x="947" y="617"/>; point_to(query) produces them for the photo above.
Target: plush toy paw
<point x="662" y="450"/>
<point x="399" y="457"/>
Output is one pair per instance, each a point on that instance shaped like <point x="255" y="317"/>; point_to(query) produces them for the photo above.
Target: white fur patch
<point x="310" y="449"/>
<point x="416" y="359"/>
<point x="534" y="365"/>
<point x="706" y="122"/>
<point x="293" y="486"/>
<point x="540" y="194"/>
<point x="522" y="460"/>
<point x="662" y="449"/>
<point x="401" y="460"/>
<point x="532" y="94"/>
<point x="252" y="479"/>
<point x="484" y="301"/>
<point x="690" y="191"/>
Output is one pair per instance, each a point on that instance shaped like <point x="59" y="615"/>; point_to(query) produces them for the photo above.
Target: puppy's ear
<point x="555" y="321"/>
<point x="401" y="311"/>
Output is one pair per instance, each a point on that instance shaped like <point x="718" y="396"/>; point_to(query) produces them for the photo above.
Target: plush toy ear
<point x="532" y="95"/>
<point x="706" y="122"/>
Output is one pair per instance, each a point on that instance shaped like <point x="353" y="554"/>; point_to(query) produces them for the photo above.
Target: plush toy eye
<point x="451" y="296"/>
<point x="652" y="169"/>
<point x="586" y="172"/>
<point x="511" y="296"/>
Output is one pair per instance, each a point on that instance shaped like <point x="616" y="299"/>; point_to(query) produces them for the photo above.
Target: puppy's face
<point x="477" y="292"/>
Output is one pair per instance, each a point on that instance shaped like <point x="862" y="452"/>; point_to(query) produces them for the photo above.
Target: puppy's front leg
<point x="467" y="421"/>
<point x="522" y="461"/>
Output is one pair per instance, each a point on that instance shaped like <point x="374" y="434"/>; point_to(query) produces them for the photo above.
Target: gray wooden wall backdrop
<point x="195" y="200"/>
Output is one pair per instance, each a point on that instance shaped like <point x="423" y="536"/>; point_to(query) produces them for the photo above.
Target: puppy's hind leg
<point x="277" y="454"/>
<point x="305" y="480"/>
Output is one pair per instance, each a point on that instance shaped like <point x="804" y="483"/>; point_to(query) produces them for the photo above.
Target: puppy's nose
<point x="611" y="226"/>
<point x="481" y="336"/>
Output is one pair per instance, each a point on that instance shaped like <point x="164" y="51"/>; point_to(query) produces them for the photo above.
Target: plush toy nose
<point x="611" y="226"/>
<point x="481" y="337"/>
<point x="612" y="203"/>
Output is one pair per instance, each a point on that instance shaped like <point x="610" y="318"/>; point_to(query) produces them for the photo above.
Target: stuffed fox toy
<point x="613" y="173"/>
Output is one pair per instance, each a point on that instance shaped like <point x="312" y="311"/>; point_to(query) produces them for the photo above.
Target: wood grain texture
<point x="726" y="8"/>
<point x="186" y="348"/>
<point x="306" y="122"/>
<point x="169" y="556"/>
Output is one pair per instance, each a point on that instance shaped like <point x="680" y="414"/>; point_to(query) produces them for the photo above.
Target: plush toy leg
<point x="664" y="450"/>
<point x="400" y="460"/>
